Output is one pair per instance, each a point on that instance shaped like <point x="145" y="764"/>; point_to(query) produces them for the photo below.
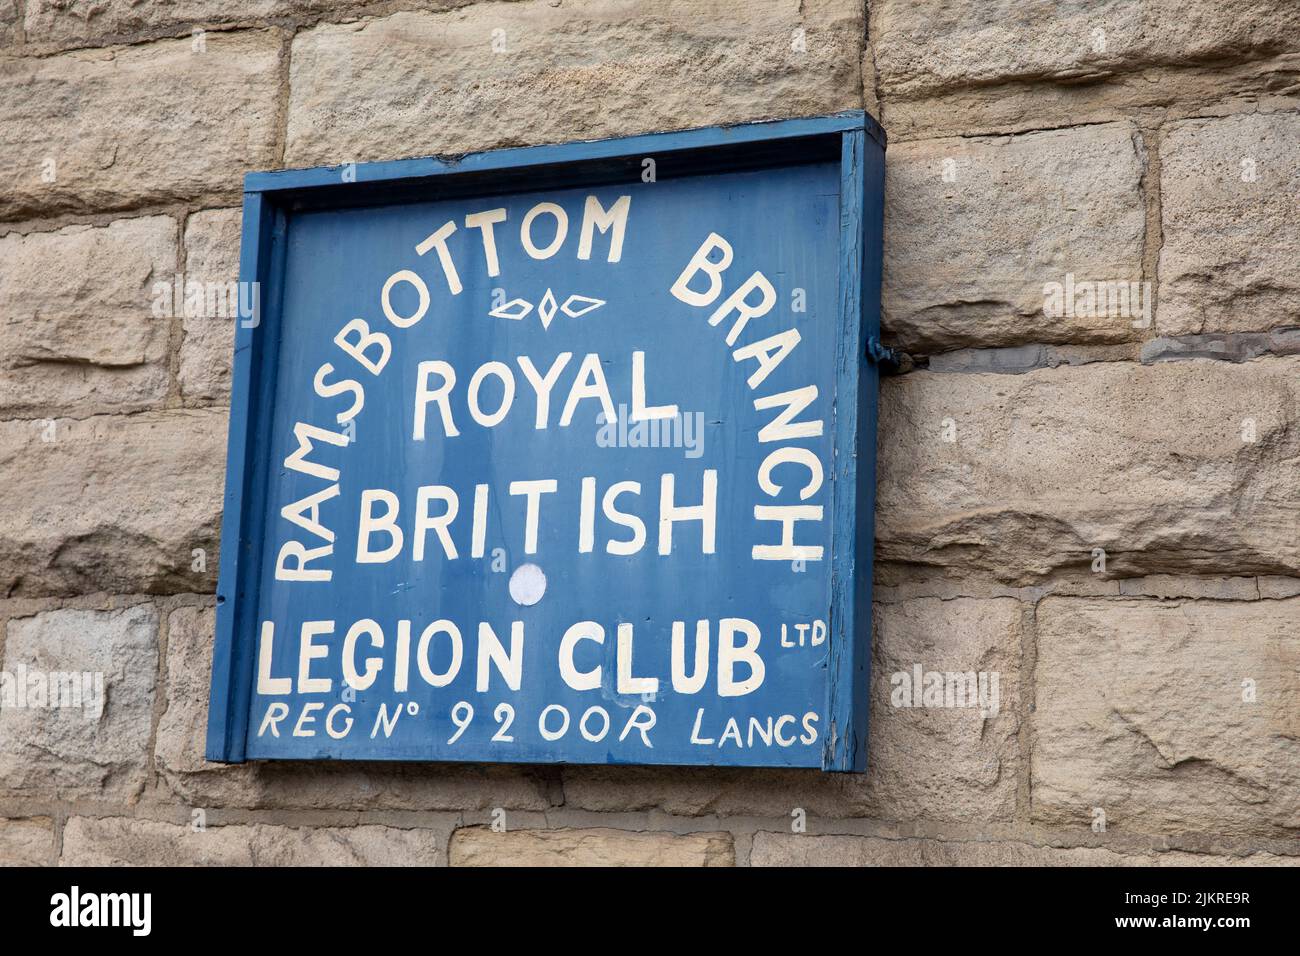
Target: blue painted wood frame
<point x="271" y="197"/>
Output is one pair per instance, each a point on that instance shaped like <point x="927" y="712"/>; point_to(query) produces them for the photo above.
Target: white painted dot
<point x="527" y="584"/>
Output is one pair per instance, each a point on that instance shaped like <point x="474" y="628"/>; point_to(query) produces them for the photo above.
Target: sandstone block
<point x="1153" y="96"/>
<point x="61" y="23"/>
<point x="501" y="74"/>
<point x="932" y="45"/>
<point x="26" y="842"/>
<point x="1231" y="224"/>
<point x="975" y="230"/>
<point x="479" y="846"/>
<point x="64" y="24"/>
<point x="1169" y="716"/>
<point x="784" y="849"/>
<point x="971" y="754"/>
<point x="121" y="841"/>
<point x="1179" y="467"/>
<point x="112" y="503"/>
<point x="211" y="259"/>
<point x="78" y="327"/>
<point x="160" y="122"/>
<point x="99" y="668"/>
<point x="9" y="20"/>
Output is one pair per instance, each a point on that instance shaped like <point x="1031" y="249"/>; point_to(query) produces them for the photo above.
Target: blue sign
<point x="558" y="455"/>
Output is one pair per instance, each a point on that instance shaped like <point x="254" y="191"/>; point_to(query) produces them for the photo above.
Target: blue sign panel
<point x="561" y="454"/>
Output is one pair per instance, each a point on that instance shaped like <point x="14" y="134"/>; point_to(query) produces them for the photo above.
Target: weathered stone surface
<point x="106" y="129"/>
<point x="976" y="228"/>
<point x="1142" y="712"/>
<point x="111" y="503"/>
<point x="182" y="732"/>
<point x="785" y="849"/>
<point x="77" y="326"/>
<point x="26" y="842"/>
<point x="212" y="259"/>
<point x="969" y="769"/>
<point x="1174" y="586"/>
<point x="921" y="47"/>
<point x="99" y="748"/>
<point x="415" y="84"/>
<point x="9" y="20"/>
<point x="120" y="841"/>
<point x="1151" y="463"/>
<point x="700" y="791"/>
<point x="1272" y="587"/>
<point x="182" y="729"/>
<point x="1151" y="97"/>
<point x="62" y="23"/>
<point x="1179" y="858"/>
<point x="480" y="846"/>
<point x="1231" y="223"/>
<point x="969" y="773"/>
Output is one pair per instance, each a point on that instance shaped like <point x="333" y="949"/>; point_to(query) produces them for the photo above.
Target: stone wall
<point x="1150" y="696"/>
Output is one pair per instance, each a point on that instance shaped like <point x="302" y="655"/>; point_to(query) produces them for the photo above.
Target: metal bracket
<point x="882" y="354"/>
